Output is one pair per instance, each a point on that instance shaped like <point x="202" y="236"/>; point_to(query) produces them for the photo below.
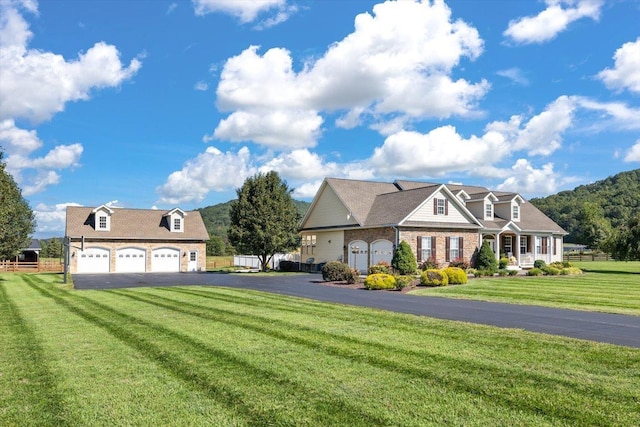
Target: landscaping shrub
<point x="456" y="275"/>
<point x="336" y="271"/>
<point x="512" y="272"/>
<point x="552" y="271"/>
<point x="571" y="270"/>
<point x="534" y="272"/>
<point x="486" y="259"/>
<point x="539" y="264"/>
<point x="402" y="282"/>
<point x="503" y="272"/>
<point x="404" y="262"/>
<point x="502" y="264"/>
<point x="288" y="266"/>
<point x="351" y="276"/>
<point x="430" y="264"/>
<point x="382" y="267"/>
<point x="380" y="281"/>
<point x="434" y="278"/>
<point x="460" y="263"/>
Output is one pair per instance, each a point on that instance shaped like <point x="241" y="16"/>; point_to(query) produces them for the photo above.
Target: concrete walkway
<point x="602" y="327"/>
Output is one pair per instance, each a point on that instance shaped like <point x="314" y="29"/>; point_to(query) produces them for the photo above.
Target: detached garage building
<point x="116" y="240"/>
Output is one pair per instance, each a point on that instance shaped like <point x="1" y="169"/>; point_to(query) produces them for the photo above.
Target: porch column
<point x="497" y="247"/>
<point x="517" y="244"/>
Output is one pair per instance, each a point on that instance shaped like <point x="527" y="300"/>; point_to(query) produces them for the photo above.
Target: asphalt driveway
<point x="602" y="327"/>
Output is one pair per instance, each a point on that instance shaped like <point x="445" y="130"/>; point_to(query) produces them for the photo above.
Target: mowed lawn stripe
<point x="224" y="386"/>
<point x="393" y="359"/>
<point x="35" y="397"/>
<point x="220" y="356"/>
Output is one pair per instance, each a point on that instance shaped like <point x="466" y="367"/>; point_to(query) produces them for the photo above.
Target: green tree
<point x="264" y="219"/>
<point x="51" y="248"/>
<point x="625" y="244"/>
<point x="17" y="221"/>
<point x="594" y="230"/>
<point x="403" y="261"/>
<point x="486" y="259"/>
<point x="216" y="246"/>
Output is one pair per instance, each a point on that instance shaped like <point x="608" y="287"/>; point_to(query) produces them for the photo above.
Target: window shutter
<point x="446" y="206"/>
<point x="419" y="249"/>
<point x="544" y="245"/>
<point x="433" y="247"/>
<point x="554" y="246"/>
<point x="461" y="247"/>
<point x="447" y="248"/>
<point x="435" y="206"/>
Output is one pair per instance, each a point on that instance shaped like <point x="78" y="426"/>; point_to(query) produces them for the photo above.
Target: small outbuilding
<point x="117" y="240"/>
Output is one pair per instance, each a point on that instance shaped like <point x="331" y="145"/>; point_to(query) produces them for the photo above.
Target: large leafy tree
<point x="593" y="229"/>
<point x="625" y="244"/>
<point x="17" y="221"/>
<point x="264" y="218"/>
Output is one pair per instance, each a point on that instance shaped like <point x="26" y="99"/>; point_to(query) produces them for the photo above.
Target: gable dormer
<point x="102" y="218"/>
<point x="175" y="220"/>
<point x="462" y="196"/>
<point x="483" y="205"/>
<point x="509" y="207"/>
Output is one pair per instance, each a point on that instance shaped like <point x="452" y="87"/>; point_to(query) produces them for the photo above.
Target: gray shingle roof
<point x="379" y="203"/>
<point x="139" y="224"/>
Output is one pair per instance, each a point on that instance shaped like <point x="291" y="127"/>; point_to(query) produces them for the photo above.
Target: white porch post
<point x="497" y="253"/>
<point x="517" y="251"/>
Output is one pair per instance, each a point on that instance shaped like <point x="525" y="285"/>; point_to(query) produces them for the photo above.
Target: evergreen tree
<point x="17" y="221"/>
<point x="403" y="261"/>
<point x="264" y="219"/>
<point x="486" y="259"/>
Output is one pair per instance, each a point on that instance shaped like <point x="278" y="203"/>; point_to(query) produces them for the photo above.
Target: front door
<point x="193" y="261"/>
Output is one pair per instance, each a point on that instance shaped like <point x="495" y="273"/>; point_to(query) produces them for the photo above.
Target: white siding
<point x="328" y="211"/>
<point x="425" y="212"/>
<point x="329" y="246"/>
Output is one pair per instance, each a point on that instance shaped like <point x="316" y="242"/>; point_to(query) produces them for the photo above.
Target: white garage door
<point x="93" y="260"/>
<point x="381" y="250"/>
<point x="165" y="259"/>
<point x="131" y="260"/>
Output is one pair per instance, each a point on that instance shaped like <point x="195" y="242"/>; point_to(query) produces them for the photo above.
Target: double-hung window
<point x="516" y="212"/>
<point x="488" y="210"/>
<point x="426" y="248"/>
<point x="523" y="244"/>
<point x="454" y="248"/>
<point x="508" y="248"/>
<point x="177" y="224"/>
<point x="102" y="222"/>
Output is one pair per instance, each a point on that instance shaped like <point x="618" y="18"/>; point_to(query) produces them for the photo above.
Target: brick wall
<point x="469" y="237"/>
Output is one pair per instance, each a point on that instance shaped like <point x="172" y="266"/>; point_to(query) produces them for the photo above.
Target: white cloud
<point x="442" y="150"/>
<point x="19" y="146"/>
<point x="246" y="11"/>
<point x="51" y="219"/>
<point x="171" y="8"/>
<point x="307" y="190"/>
<point x="201" y="86"/>
<point x="300" y="165"/>
<point x="615" y="115"/>
<point x="37" y="84"/>
<point x="212" y="170"/>
<point x="633" y="155"/>
<point x="542" y="135"/>
<point x="397" y="62"/>
<point x="525" y="179"/>
<point x="554" y="19"/>
<point x="626" y="73"/>
<point x="514" y="74"/>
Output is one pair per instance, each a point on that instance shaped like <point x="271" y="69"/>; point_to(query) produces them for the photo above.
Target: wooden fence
<point x="587" y="257"/>
<point x="31" y="267"/>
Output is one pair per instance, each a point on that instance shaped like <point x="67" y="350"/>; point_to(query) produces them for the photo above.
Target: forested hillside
<point x="615" y="199"/>
<point x="216" y="219"/>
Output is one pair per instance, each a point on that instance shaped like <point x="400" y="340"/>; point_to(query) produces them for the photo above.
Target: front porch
<point x="522" y="250"/>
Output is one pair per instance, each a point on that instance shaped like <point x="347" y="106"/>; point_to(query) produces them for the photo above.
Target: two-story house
<point x="362" y="222"/>
<point x="104" y="239"/>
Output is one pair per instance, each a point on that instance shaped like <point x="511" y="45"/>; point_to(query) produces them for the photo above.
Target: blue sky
<point x="158" y="104"/>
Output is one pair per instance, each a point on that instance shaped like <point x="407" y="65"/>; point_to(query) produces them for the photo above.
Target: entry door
<point x="193" y="261"/>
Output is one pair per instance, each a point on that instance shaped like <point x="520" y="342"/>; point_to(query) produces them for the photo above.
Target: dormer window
<point x="488" y="210"/>
<point x="174" y="220"/>
<point x="516" y="212"/>
<point x="102" y="218"/>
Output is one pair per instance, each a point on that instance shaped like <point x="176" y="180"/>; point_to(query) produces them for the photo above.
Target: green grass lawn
<point x="230" y="357"/>
<point x="612" y="287"/>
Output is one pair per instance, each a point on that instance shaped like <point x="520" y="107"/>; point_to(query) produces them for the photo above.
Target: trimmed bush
<point x="512" y="272"/>
<point x="402" y="282"/>
<point x="502" y="264"/>
<point x="502" y="272"/>
<point x="552" y="271"/>
<point x="404" y="262"/>
<point x="460" y="263"/>
<point x="380" y="281"/>
<point x="430" y="264"/>
<point x="456" y="275"/>
<point x="352" y="276"/>
<point x="486" y="258"/>
<point x="534" y="272"/>
<point x="572" y="270"/>
<point x="336" y="271"/>
<point x="539" y="264"/>
<point x="434" y="278"/>
<point x="382" y="267"/>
